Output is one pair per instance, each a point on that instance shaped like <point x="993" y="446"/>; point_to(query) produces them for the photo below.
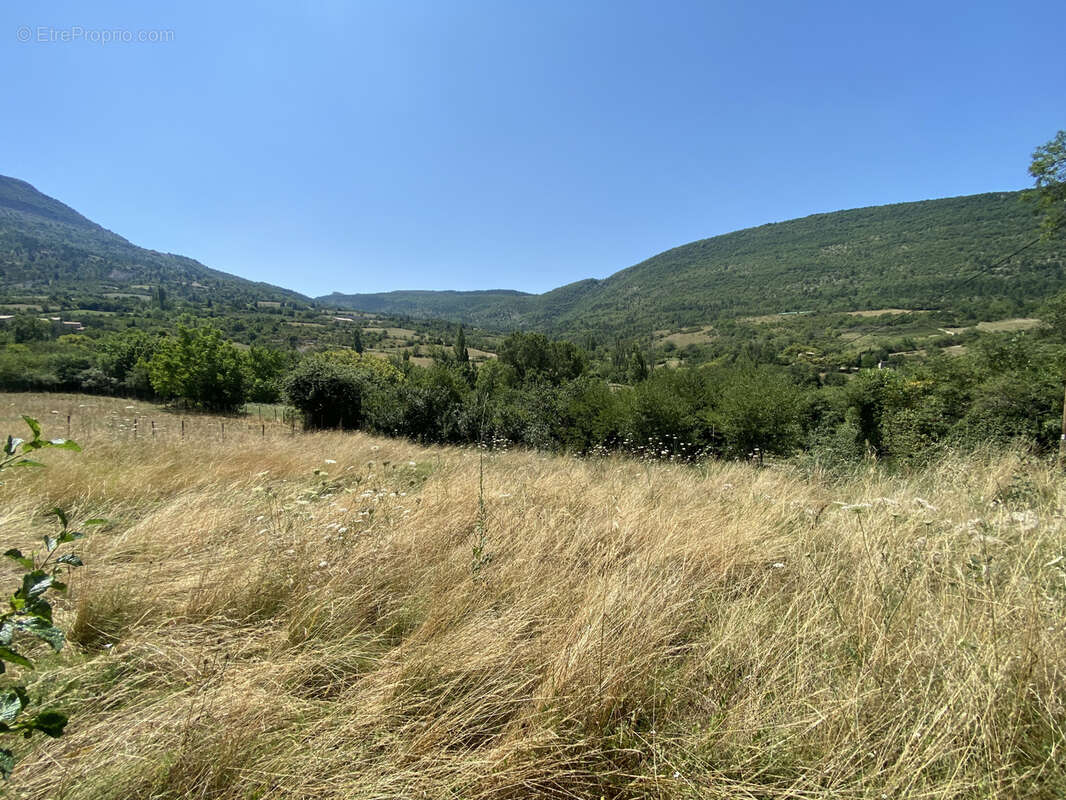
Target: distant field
<point x="775" y="317"/>
<point x="880" y="312"/>
<point x="701" y="336"/>
<point x="394" y="333"/>
<point x="1017" y="324"/>
<point x="1000" y="326"/>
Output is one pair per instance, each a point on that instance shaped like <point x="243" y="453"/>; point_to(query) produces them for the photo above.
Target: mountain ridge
<point x="900" y="254"/>
<point x="920" y="254"/>
<point x="47" y="246"/>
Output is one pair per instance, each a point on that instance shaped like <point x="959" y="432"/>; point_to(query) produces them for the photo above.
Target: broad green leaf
<point x="7" y="654"/>
<point x="35" y="583"/>
<point x="50" y="543"/>
<point x="50" y="722"/>
<point x="70" y="559"/>
<point x="12" y="701"/>
<point x="70" y="536"/>
<point x="7" y="763"/>
<point x="18" y="558"/>
<point x="95" y="521"/>
<point x="39" y="608"/>
<point x="35" y="426"/>
<point x="12" y="445"/>
<point x="64" y="444"/>
<point x="44" y="631"/>
<point x="61" y="514"/>
<point x="59" y="586"/>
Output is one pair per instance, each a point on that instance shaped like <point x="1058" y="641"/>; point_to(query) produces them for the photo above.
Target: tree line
<point x="552" y="394"/>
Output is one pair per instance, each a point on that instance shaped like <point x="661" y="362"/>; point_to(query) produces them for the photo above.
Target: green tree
<point x="28" y="328"/>
<point x="201" y="368"/>
<point x="265" y="370"/>
<point x="535" y="357"/>
<point x="124" y="358"/>
<point x="757" y="408"/>
<point x="1048" y="168"/>
<point x="462" y="357"/>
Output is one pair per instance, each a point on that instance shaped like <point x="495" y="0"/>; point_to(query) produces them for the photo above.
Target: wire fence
<point x="148" y="423"/>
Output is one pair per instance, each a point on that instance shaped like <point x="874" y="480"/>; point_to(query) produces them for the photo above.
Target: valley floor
<point x="270" y="615"/>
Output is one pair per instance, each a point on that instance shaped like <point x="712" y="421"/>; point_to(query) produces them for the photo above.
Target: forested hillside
<point x="48" y="250"/>
<point x="929" y="254"/>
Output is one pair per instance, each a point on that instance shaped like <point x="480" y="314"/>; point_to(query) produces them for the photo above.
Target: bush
<point x="329" y="389"/>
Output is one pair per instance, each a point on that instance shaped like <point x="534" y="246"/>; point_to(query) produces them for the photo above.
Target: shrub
<point x="329" y="389"/>
<point x="30" y="615"/>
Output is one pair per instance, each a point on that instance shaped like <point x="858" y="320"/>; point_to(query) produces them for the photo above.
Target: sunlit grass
<point x="279" y="616"/>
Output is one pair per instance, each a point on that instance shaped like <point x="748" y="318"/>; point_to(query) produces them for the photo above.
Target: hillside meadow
<point x="329" y="615"/>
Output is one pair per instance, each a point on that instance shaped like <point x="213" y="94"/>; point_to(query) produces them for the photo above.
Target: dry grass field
<point x="332" y="616"/>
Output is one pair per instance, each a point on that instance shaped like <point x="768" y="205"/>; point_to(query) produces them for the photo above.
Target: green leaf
<point x="70" y="559"/>
<point x="35" y="426"/>
<point x="70" y="536"/>
<point x="7" y="654"/>
<point x="95" y="521"/>
<point x="58" y="512"/>
<point x="64" y="444"/>
<point x="12" y="701"/>
<point x="27" y="463"/>
<point x="7" y="632"/>
<point x="7" y="763"/>
<point x="44" y="631"/>
<point x="51" y="543"/>
<point x="50" y="722"/>
<point x="12" y="445"/>
<point x="35" y="583"/>
<point x="39" y="608"/>
<point x="59" y="586"/>
<point x="18" y="558"/>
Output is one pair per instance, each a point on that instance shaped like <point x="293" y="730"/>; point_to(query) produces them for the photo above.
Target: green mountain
<point x="48" y="249"/>
<point x="928" y="254"/>
<point x="444" y="304"/>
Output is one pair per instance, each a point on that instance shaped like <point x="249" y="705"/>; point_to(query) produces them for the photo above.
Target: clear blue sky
<point x="472" y="145"/>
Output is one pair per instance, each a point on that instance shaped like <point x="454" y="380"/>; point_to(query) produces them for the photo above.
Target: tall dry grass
<point x="306" y="617"/>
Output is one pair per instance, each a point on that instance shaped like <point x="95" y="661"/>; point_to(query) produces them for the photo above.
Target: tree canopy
<point x="1048" y="168"/>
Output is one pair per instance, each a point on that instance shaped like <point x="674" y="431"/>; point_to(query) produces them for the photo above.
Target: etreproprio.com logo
<point x="47" y="34"/>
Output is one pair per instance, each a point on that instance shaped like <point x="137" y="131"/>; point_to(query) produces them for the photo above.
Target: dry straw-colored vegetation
<point x="307" y="617"/>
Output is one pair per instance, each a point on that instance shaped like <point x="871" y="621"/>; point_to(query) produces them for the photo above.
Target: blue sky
<point x="475" y="145"/>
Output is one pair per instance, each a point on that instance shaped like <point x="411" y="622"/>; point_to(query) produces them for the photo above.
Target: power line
<point x="987" y="268"/>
